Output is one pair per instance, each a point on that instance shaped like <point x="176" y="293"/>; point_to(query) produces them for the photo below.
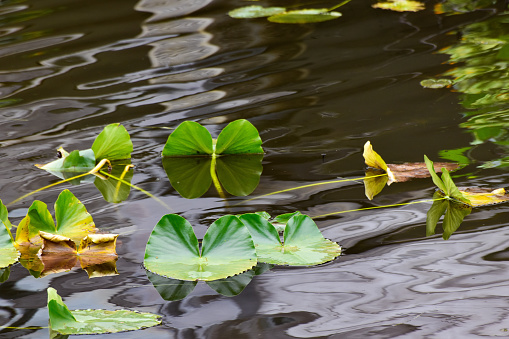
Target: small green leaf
<point x="440" y="184"/>
<point x="303" y="244"/>
<point x="74" y="162"/>
<point x="280" y="221"/>
<point x="172" y="249"/>
<point x="249" y="12"/>
<point x="79" y="161"/>
<point x="113" y="143"/>
<point x="94" y="321"/>
<point x="436" y="83"/>
<point x="188" y="139"/>
<point x="304" y="16"/>
<point x="451" y="188"/>
<point x="239" y="137"/>
<point x="240" y="175"/>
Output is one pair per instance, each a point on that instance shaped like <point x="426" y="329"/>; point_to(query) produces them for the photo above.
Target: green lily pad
<point x="64" y="321"/>
<point x="305" y="16"/>
<point x="249" y="12"/>
<point x="239" y="137"/>
<point x="72" y="219"/>
<point x="454" y="213"/>
<point x="113" y="143"/>
<point x="8" y="253"/>
<point x="192" y="139"/>
<point x="280" y="221"/>
<point x="172" y="249"/>
<point x="188" y="139"/>
<point x="303" y="245"/>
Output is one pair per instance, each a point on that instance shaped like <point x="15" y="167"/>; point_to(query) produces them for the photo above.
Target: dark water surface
<point x="316" y="93"/>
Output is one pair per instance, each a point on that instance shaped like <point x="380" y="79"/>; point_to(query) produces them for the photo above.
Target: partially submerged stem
<point x="138" y="188"/>
<point x="215" y="180"/>
<point x="341" y="4"/>
<point x="311" y="185"/>
<point x="375" y="207"/>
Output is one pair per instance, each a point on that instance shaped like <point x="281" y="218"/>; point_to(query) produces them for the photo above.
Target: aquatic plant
<point x="66" y="322"/>
<point x="112" y="147"/>
<point x="173" y="250"/>
<point x="303" y="244"/>
<point x="400" y="5"/>
<point x="454" y="212"/>
<point x="285" y="16"/>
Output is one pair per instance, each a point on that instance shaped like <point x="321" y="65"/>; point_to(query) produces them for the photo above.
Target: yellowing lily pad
<point x="401" y="5"/>
<point x="483" y="196"/>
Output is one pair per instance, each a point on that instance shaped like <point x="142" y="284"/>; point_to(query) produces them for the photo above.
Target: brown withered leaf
<point x="56" y="244"/>
<point x="410" y="170"/>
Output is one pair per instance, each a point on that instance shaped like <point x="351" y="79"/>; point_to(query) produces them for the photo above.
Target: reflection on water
<point x="316" y="93"/>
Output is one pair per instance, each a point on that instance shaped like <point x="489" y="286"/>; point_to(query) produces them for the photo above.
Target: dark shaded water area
<point x="316" y="93"/>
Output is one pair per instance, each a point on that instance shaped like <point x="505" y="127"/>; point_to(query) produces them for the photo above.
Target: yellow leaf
<point x="483" y="197"/>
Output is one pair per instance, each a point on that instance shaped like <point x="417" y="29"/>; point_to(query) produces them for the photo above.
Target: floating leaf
<point x="188" y="139"/>
<point x="64" y="321"/>
<point x="72" y="163"/>
<point x="113" y="143"/>
<point x="484" y="196"/>
<point x="454" y="213"/>
<point x="72" y="218"/>
<point x="8" y="253"/>
<point x="304" y="16"/>
<point x="410" y="170"/>
<point x="281" y="220"/>
<point x="436" y="83"/>
<point x="239" y="137"/>
<point x="172" y="249"/>
<point x="249" y="12"/>
<point x="96" y="253"/>
<point x="303" y="245"/>
<point x="401" y="5"/>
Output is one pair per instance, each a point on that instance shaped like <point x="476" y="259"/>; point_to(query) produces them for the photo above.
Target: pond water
<point x="316" y="93"/>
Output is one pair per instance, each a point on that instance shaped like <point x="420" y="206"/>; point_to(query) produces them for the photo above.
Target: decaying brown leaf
<point x="410" y="170"/>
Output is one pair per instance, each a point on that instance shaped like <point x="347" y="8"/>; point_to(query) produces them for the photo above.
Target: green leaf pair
<point x="446" y="185"/>
<point x="113" y="143"/>
<point x="67" y="322"/>
<point x="192" y="139"/>
<point x="233" y="245"/>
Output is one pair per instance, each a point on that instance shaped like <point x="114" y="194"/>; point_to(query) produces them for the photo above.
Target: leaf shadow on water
<point x="174" y="289"/>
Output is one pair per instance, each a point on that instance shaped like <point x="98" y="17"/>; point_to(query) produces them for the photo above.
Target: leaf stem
<point x="215" y="180"/>
<point x="337" y="6"/>
<point x="311" y="185"/>
<point x="375" y="207"/>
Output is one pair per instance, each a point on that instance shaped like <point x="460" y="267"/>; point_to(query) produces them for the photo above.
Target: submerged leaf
<point x="304" y="16"/>
<point x="94" y="321"/>
<point x="172" y="249"/>
<point x="188" y="139"/>
<point x="249" y="12"/>
<point x="240" y="175"/>
<point x="303" y="245"/>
